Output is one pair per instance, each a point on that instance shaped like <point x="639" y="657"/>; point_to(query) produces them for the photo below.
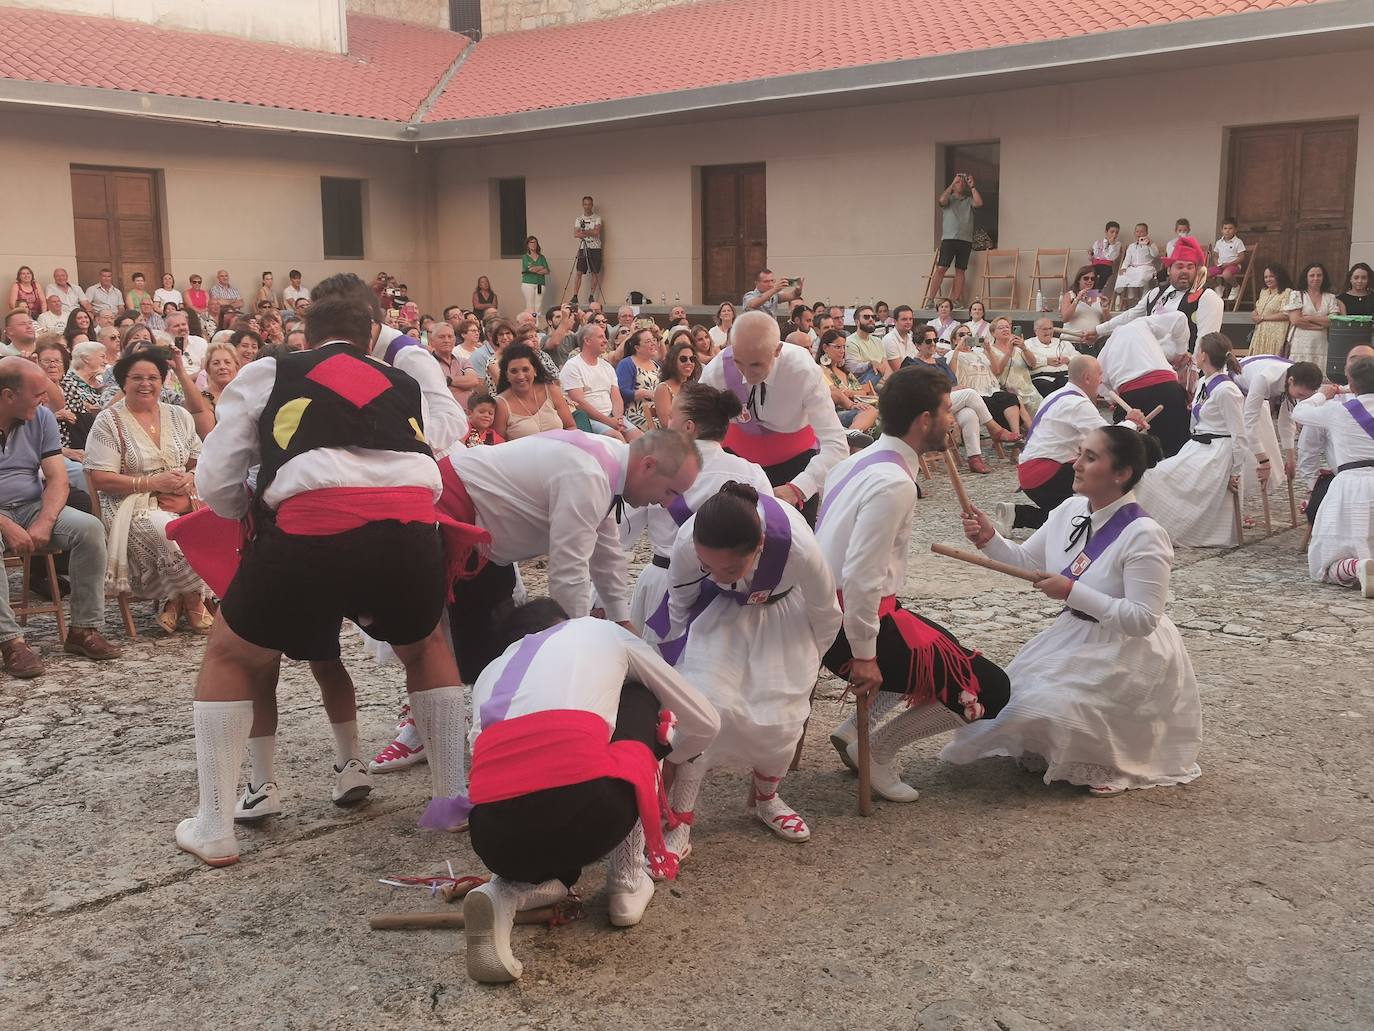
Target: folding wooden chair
<point x="934" y="289"/>
<point x="1247" y="278"/>
<point x="993" y="274"/>
<point x="1048" y="272"/>
<point x="27" y="606"/>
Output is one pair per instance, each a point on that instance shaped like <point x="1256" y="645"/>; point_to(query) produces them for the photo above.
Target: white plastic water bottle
<point x="1039" y="301"/>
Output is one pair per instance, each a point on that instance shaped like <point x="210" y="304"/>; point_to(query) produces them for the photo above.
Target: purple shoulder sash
<point x="734" y="379"/>
<point x="1103" y="539"/>
<point x="394" y="348"/>
<point x="679" y="509"/>
<point x="1361" y="415"/>
<point x="1205" y="391"/>
<point x="1039" y="412"/>
<point x="863" y="463"/>
<point x="608" y="462"/>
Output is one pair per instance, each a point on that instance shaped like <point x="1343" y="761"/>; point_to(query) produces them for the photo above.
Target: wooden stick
<point x="1292" y="504"/>
<point x="965" y="505"/>
<point x="975" y="559"/>
<point x="1115" y="399"/>
<point x="865" y="758"/>
<point x="801" y="741"/>
<point x="427" y="921"/>
<point x="1264" y="497"/>
<point x="1153" y="415"/>
<point x="458" y="892"/>
<point x="1240" y="522"/>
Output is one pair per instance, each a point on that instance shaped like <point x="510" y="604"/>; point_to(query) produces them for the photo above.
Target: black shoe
<point x="39" y="585"/>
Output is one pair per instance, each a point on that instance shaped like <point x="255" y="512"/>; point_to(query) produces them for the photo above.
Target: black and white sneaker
<point x="352" y="783"/>
<point x="258" y="803"/>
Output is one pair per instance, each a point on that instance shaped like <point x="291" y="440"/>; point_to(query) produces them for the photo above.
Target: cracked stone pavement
<point x="1240" y="901"/>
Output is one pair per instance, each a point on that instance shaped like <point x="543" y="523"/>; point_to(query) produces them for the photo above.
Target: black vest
<point x="332" y="397"/>
<point x="1186" y="304"/>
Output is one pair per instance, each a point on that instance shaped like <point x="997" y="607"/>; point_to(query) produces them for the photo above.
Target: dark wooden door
<point x="734" y="230"/>
<point x="117" y="216"/>
<point x="1291" y="189"/>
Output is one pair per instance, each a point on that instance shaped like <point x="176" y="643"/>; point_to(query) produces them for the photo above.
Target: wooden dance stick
<point x="975" y="559"/>
<point x="1240" y="521"/>
<point x="1292" y="504"/>
<point x="428" y="921"/>
<point x="1153" y="415"/>
<point x="865" y="757"/>
<point x="965" y="505"/>
<point x="1264" y="497"/>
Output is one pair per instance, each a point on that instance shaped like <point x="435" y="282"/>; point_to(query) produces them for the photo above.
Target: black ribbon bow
<point x="1082" y="530"/>
<point x="761" y="389"/>
<point x="618" y="507"/>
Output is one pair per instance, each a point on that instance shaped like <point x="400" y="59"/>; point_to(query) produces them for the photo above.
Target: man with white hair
<point x="192" y="347"/>
<point x="789" y="425"/>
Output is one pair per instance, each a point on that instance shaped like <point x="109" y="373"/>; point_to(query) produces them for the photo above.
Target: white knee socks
<point x="883" y="702"/>
<point x="262" y="752"/>
<point x="627" y="863"/>
<point x="346" y="745"/>
<point x="441" y="718"/>
<point x="912" y="725"/>
<point x="222" y="730"/>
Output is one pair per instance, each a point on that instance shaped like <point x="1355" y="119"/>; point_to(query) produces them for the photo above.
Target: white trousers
<point x="971" y="413"/>
<point x="533" y="294"/>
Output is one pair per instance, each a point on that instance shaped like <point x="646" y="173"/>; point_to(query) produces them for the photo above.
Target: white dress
<point x="717" y="467"/>
<point x="1086" y="315"/>
<point x="1188" y="493"/>
<point x="1138" y="268"/>
<point x="1309" y="345"/>
<point x="1344" y="527"/>
<point x="756" y="663"/>
<point x="1111" y="702"/>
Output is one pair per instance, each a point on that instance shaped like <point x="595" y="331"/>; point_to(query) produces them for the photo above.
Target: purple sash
<point x="679" y="509"/>
<point x="1361" y="415"/>
<point x="394" y="348"/>
<point x="1265" y="358"/>
<point x="1206" y="392"/>
<point x="1050" y="404"/>
<point x="609" y="463"/>
<point x="777" y="546"/>
<point x="443" y="813"/>
<point x="1103" y="539"/>
<point x="734" y="382"/>
<point x="868" y="459"/>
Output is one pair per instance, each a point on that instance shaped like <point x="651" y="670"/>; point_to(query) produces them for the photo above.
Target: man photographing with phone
<point x="587" y="231"/>
<point x="961" y="196"/>
<point x="769" y="290"/>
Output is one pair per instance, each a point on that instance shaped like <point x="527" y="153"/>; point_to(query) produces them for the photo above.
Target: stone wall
<point x="421" y="12"/>
<point x="510" y="15"/>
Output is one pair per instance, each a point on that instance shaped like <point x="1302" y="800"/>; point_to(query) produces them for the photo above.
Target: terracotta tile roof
<point x="727" y="41"/>
<point x="388" y="73"/>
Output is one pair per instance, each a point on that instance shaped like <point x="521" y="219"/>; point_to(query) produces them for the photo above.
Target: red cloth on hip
<point x="560" y="747"/>
<point x="768" y="447"/>
<point x="1150" y="379"/>
<point x="1035" y="471"/>
<point x="331" y="510"/>
<point x="925" y="643"/>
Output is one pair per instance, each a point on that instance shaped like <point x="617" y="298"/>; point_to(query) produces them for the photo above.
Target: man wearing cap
<point x="1185" y="291"/>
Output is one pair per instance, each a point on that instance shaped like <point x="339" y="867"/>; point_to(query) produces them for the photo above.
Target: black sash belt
<point x="1207" y="438"/>
<point x="1368" y="463"/>
<point x="1081" y="615"/>
<point x="661" y="561"/>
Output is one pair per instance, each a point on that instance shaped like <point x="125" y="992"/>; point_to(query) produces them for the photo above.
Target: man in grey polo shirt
<point x="956" y="235"/>
<point x="33" y="496"/>
<point x="769" y="290"/>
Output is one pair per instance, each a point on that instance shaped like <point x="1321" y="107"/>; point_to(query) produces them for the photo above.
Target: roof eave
<point x="1027" y="63"/>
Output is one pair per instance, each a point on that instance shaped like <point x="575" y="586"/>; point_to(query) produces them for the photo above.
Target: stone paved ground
<point x="1240" y="901"/>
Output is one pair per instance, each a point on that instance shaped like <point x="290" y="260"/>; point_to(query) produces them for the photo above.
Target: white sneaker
<point x="627" y="907"/>
<point x="488" y="915"/>
<point x="406" y="750"/>
<point x="352" y="784"/>
<point x="212" y="852"/>
<point x="1235" y="294"/>
<point x="1003" y="514"/>
<point x="258" y="803"/>
<point x="840" y="739"/>
<point x="884" y="779"/>
<point x="781" y="819"/>
<point x="1364" y="571"/>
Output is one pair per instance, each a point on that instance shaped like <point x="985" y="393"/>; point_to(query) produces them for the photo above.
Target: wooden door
<point x="1291" y="190"/>
<point x="734" y="230"/>
<point x="117" y="216"/>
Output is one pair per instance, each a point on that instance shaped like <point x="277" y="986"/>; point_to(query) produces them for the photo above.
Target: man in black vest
<point x="343" y="525"/>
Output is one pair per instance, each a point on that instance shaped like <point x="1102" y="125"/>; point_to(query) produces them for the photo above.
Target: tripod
<point x="584" y="258"/>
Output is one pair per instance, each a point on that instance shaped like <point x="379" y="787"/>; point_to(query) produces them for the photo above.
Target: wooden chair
<point x="992" y="274"/>
<point x="27" y="607"/>
<point x="1247" y="277"/>
<point x="1041" y="274"/>
<point x="934" y="289"/>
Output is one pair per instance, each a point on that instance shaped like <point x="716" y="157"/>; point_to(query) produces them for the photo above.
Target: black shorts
<point x="589" y="260"/>
<point x="954" y="252"/>
<point x="291" y="594"/>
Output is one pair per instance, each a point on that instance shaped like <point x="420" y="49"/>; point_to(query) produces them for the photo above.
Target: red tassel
<point x="666" y="722"/>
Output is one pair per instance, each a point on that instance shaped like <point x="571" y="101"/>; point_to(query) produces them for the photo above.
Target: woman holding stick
<point x="1105" y="697"/>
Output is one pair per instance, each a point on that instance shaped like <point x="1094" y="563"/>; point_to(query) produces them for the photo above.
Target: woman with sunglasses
<point x="855" y="403"/>
<point x="679" y="368"/>
<point x="974" y="367"/>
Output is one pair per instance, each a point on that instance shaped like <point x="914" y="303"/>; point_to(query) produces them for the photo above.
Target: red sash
<point x="768" y="447"/>
<point x="1150" y="379"/>
<point x="1036" y="471"/>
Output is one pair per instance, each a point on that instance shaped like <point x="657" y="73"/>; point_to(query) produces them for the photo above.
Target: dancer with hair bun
<point x="1105" y="697"/>
<point x="702" y="413"/>
<point x="1190" y="494"/>
<point x="751" y="606"/>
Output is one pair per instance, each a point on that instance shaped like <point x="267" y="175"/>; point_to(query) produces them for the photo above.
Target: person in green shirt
<point x="534" y="267"/>
<point x="137" y="295"/>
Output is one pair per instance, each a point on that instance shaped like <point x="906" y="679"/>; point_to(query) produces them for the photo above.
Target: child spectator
<point x="1226" y="260"/>
<point x="1182" y="227"/>
<point x="1138" y="268"/>
<point x="481" y="414"/>
<point x="1105" y="253"/>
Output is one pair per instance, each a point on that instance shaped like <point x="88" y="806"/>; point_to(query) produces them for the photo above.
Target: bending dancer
<point x="1343" y="535"/>
<point x="1105" y="697"/>
<point x="1272" y="386"/>
<point x="864" y="532"/>
<point x="343" y="527"/>
<point x="789" y="425"/>
<point x="571" y="722"/>
<point x="1136" y="363"/>
<point x="1316" y="457"/>
<point x="702" y="413"/>
<point x="1191" y="494"/>
<point x="750" y="609"/>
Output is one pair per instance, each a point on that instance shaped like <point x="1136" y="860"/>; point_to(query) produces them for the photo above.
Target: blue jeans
<point x="82" y="537"/>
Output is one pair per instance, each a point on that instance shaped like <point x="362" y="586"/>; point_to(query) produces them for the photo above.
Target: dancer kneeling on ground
<point x="571" y="723"/>
<point x="344" y="526"/>
<point x="1343" y="535"/>
<point x="864" y="532"/>
<point x="750" y="608"/>
<point x="1105" y="697"/>
<point x="1193" y="494"/>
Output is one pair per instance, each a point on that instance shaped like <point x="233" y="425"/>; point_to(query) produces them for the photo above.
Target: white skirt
<point x="650" y="590"/>
<point x="1269" y="442"/>
<point x="1345" y="522"/>
<point x="1187" y="496"/>
<point x="1135" y="277"/>
<point x="757" y="665"/>
<point x="1099" y="707"/>
<point x="1309" y="345"/>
